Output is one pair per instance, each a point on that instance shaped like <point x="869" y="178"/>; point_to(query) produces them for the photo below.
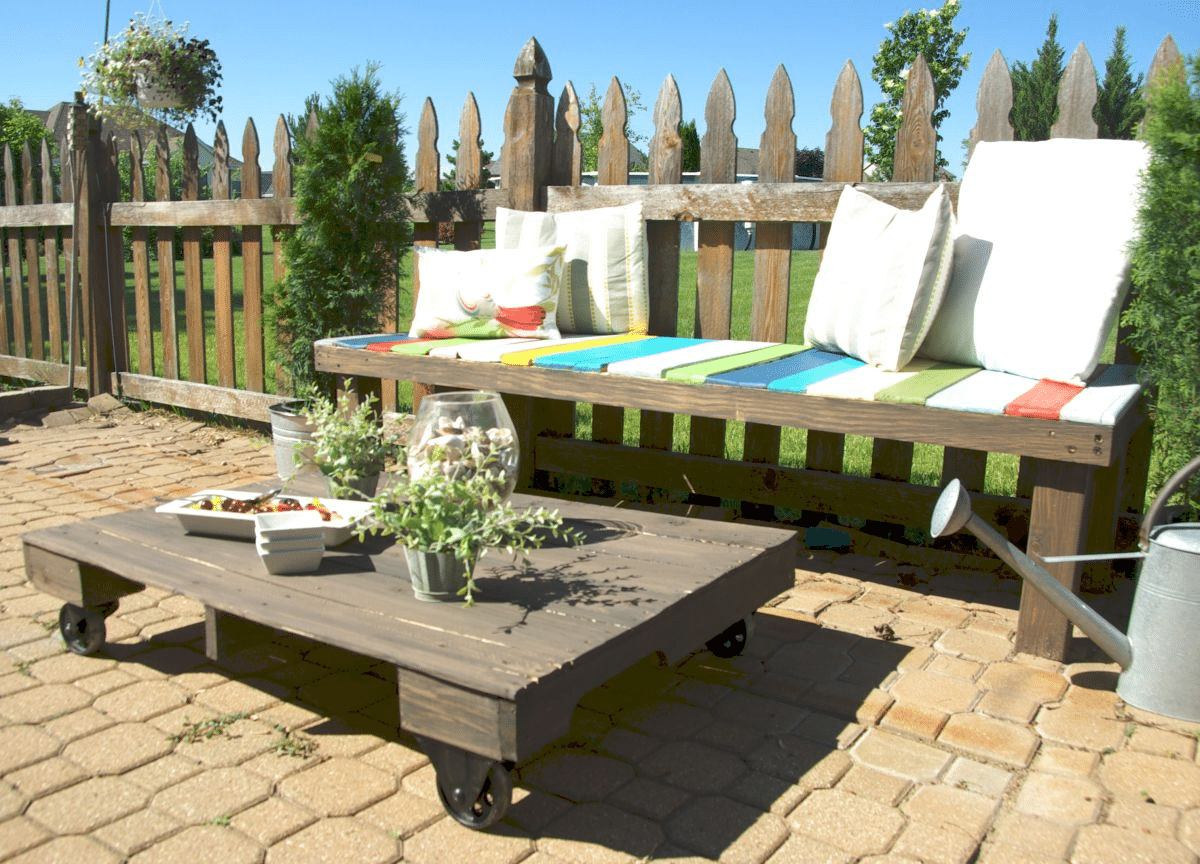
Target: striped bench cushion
<point x="794" y="369"/>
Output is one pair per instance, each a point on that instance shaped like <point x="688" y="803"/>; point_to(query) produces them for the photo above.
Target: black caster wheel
<point x="733" y="639"/>
<point x="490" y="805"/>
<point x="82" y="627"/>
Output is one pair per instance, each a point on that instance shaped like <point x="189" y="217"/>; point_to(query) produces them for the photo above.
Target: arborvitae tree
<point x="691" y="145"/>
<point x="1035" y="89"/>
<point x="1164" y="312"/>
<point x="343" y="255"/>
<point x="927" y="32"/>
<point x="1119" y="107"/>
<point x="449" y="181"/>
<point x="810" y="162"/>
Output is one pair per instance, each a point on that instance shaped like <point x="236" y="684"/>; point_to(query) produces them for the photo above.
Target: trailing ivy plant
<point x="343" y="256"/>
<point x="1164" y="311"/>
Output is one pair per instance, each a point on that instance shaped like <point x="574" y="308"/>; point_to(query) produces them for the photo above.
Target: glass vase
<point x="458" y="435"/>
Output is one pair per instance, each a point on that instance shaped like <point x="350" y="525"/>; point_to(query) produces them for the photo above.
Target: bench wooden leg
<point x="1062" y="504"/>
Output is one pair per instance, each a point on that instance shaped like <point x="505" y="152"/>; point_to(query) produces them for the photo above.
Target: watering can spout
<point x="953" y="512"/>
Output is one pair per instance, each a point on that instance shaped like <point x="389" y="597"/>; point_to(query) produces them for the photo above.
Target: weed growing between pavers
<point x="208" y="728"/>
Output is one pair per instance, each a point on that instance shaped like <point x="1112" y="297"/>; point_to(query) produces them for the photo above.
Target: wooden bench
<point x="1077" y="471"/>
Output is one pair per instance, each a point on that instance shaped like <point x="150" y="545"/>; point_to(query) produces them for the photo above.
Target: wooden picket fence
<point x="43" y="225"/>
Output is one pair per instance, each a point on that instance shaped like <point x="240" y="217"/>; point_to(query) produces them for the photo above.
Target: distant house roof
<point x="58" y="120"/>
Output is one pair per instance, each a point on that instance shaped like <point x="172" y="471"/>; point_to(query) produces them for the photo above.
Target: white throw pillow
<point x="881" y="278"/>
<point x="605" y="286"/>
<point x="1041" y="259"/>
<point x="488" y="293"/>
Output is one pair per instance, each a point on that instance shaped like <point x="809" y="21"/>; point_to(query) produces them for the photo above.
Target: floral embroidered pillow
<point x="488" y="293"/>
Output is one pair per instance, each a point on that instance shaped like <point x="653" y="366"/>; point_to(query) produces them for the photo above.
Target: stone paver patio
<point x="879" y="714"/>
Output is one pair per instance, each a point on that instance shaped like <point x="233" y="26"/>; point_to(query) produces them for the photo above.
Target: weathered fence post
<point x="94" y="271"/>
<point x="528" y="156"/>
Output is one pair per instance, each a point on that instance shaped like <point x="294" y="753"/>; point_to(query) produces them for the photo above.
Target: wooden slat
<point x="54" y="284"/>
<point x="1076" y="98"/>
<point x="165" y="247"/>
<point x="222" y="265"/>
<point x="281" y="188"/>
<point x="46" y="371"/>
<point x="666" y="167"/>
<point x="772" y="255"/>
<point x="141" y="260"/>
<point x="16" y="305"/>
<point x="207" y="398"/>
<point x="756" y="202"/>
<point x="33" y="277"/>
<point x="113" y="290"/>
<point x="426" y="178"/>
<point x="34" y="215"/>
<point x="1083" y="443"/>
<point x="252" y="266"/>
<point x="993" y="104"/>
<point x="798" y="488"/>
<point x="612" y="169"/>
<point x="916" y="142"/>
<point x="193" y="273"/>
<point x="567" y="169"/>
<point x="714" y="256"/>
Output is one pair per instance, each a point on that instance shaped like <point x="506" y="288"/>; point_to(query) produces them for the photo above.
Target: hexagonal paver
<point x="1062" y="799"/>
<point x="595" y="833"/>
<point x="856" y="825"/>
<point x="84" y="807"/>
<point x="989" y="738"/>
<point x="141" y="701"/>
<point x="67" y="849"/>
<point x="119" y="748"/>
<point x="338" y="787"/>
<point x="577" y="776"/>
<point x="24" y="745"/>
<point x="214" y="794"/>
<point x="1107" y="844"/>
<point x="202" y="843"/>
<point x="1170" y="782"/>
<point x="39" y="704"/>
<point x="332" y="841"/>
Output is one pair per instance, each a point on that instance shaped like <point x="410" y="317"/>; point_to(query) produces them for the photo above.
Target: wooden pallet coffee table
<point x="481" y="688"/>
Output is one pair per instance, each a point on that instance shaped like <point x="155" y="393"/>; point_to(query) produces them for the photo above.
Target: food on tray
<point x="226" y="504"/>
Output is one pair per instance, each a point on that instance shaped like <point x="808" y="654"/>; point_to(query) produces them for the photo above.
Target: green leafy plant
<point x="343" y="257"/>
<point x="350" y="444"/>
<point x="1164" y="312"/>
<point x="153" y="49"/>
<point x="462" y="517"/>
<point x="929" y="32"/>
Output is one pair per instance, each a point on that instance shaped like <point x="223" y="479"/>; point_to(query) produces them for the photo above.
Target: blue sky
<point x="274" y="55"/>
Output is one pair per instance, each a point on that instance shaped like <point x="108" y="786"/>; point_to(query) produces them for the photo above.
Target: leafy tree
<point x="18" y="126"/>
<point x="591" y="123"/>
<point x="810" y="162"/>
<point x="344" y="253"/>
<point x="1035" y="89"/>
<point x="1119" y="107"/>
<point x="928" y="32"/>
<point x="691" y="145"/>
<point x="1164" y="312"/>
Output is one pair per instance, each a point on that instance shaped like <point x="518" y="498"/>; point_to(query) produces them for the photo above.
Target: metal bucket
<point x="293" y="436"/>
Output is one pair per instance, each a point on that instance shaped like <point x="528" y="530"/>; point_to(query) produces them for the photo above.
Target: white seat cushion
<point x="881" y="278"/>
<point x="1041" y="257"/>
<point x="605" y="286"/>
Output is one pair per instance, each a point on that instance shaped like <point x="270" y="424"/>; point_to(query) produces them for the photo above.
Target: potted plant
<point x="446" y="523"/>
<point x="350" y="447"/>
<point x="155" y="68"/>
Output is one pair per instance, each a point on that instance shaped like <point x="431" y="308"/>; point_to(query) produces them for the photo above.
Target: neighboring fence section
<point x="185" y="321"/>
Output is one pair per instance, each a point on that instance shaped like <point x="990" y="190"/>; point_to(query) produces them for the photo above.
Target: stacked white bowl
<point x="290" y="541"/>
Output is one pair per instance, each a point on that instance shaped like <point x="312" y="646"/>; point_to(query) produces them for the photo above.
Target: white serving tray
<point x="347" y="515"/>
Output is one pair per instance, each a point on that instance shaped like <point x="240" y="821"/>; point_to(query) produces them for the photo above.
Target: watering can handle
<point x="1177" y="480"/>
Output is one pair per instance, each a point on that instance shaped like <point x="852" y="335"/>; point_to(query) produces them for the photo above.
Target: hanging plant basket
<point x="153" y="92"/>
<point x="154" y="66"/>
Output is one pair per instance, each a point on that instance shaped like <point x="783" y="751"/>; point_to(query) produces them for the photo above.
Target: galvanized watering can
<point x="1160" y="657"/>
